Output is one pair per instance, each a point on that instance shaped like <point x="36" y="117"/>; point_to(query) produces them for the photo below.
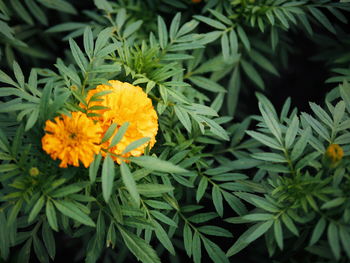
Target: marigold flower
<point x="334" y="153"/>
<point x="72" y="139"/>
<point x="126" y="103"/>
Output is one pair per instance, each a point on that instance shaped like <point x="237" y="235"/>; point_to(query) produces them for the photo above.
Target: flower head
<point x="72" y="139"/>
<point x="126" y="103"/>
<point x="334" y="153"/>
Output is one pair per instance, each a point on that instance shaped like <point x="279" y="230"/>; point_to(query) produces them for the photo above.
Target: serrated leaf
<point x="129" y="182"/>
<point x="51" y="215"/>
<point x="243" y="37"/>
<point x="156" y="164"/>
<point x="217" y="200"/>
<point x="107" y="177"/>
<point x="333" y="239"/>
<point x="139" y="247"/>
<point x="78" y="55"/>
<point x="136" y="144"/>
<point x="36" y="209"/>
<point x="71" y="210"/>
<point x="132" y="28"/>
<point x="318" y="231"/>
<point x="214" y="251"/>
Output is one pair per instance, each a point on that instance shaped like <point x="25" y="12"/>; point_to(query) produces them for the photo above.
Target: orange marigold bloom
<point x="72" y="139"/>
<point x="126" y="103"/>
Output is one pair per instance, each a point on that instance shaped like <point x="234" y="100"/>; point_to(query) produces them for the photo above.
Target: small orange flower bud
<point x="196" y="1"/>
<point x="334" y="153"/>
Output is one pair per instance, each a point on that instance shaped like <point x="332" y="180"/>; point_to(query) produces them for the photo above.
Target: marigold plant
<point x="174" y="131"/>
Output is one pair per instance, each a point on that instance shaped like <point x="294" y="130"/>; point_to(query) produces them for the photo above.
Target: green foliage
<point x="287" y="179"/>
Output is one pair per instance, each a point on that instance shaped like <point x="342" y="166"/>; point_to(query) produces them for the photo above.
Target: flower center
<point x="73" y="135"/>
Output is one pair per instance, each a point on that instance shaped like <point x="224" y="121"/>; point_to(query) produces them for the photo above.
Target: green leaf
<point x="196" y="248"/>
<point x="251" y="72"/>
<point x="333" y="239"/>
<point x="217" y="200"/>
<point x="156" y="164"/>
<point x="71" y="210"/>
<point x="102" y="39"/>
<point x="253" y="233"/>
<point x="22" y="11"/>
<point x="317" y="126"/>
<point x="110" y="131"/>
<point x="289" y="224"/>
<point x="161" y="217"/>
<point x="78" y="55"/>
<point x="59" y="5"/>
<point x="51" y="215"/>
<point x="264" y="139"/>
<point x="132" y="28"/>
<point x="121" y="131"/>
<point x="345" y="239"/>
<point x="243" y="37"/>
<point x="322" y="19"/>
<point x="187" y="27"/>
<point x="154" y="189"/>
<point x="104" y="5"/>
<point x="108" y="174"/>
<point x="187" y="236"/>
<point x="136" y="144"/>
<point x="37" y="12"/>
<point x="88" y="42"/>
<point x="39" y="250"/>
<point x="263" y="62"/>
<point x="300" y="145"/>
<point x="235" y="204"/>
<point x="215" y="231"/>
<point x="344" y="92"/>
<point x="163" y="237"/>
<point x="318" y="231"/>
<point x="334" y="203"/>
<point x="292" y="132"/>
<point x="214" y="251"/>
<point x="321" y="114"/>
<point x="207" y="84"/>
<point x="225" y="47"/>
<point x="4" y="78"/>
<point x="271" y="122"/>
<point x="49" y="240"/>
<point x="210" y="22"/>
<point x="36" y="209"/>
<point x="182" y="114"/>
<point x="129" y="182"/>
<point x="258" y="217"/>
<point x="162" y="33"/>
<point x="203" y="184"/>
<point x="278" y="233"/>
<point x="94" y="166"/>
<point x="139" y="247"/>
<point x="270" y="157"/>
<point x="18" y="74"/>
<point x="67" y="190"/>
<point x="174" y="26"/>
<point x="202" y="217"/>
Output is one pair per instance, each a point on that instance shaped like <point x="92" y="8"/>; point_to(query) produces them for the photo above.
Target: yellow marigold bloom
<point x="72" y="139"/>
<point x="126" y="103"/>
<point x="334" y="153"/>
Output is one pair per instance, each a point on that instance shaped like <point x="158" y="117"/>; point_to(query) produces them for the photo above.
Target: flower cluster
<point x="78" y="137"/>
